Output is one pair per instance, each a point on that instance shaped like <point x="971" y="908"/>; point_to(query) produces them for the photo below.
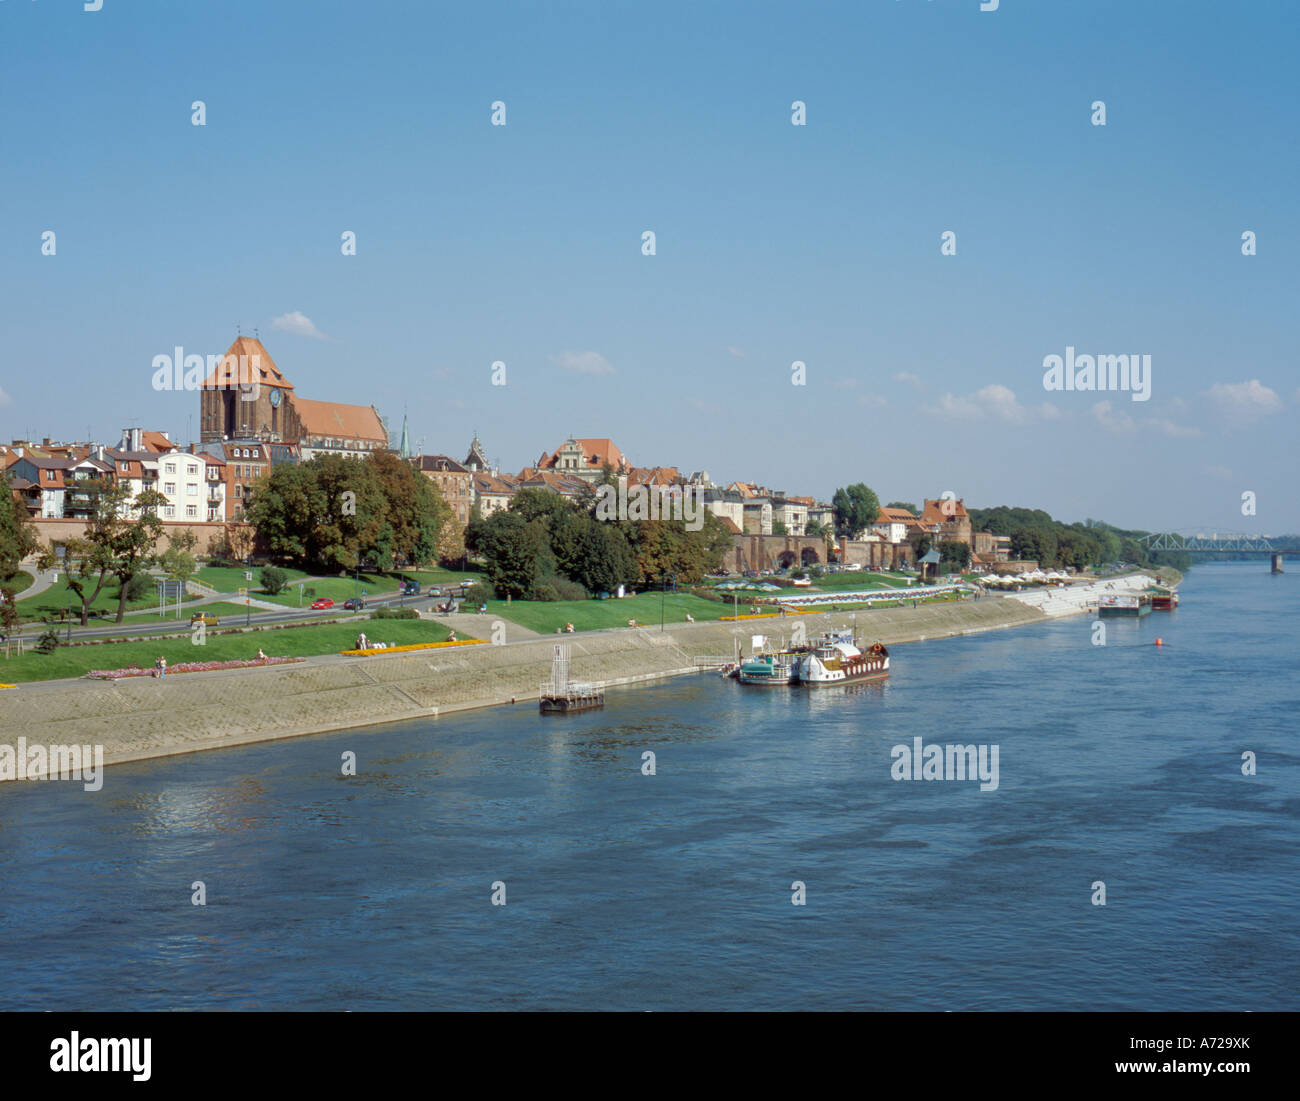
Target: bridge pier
<point x="1277" y="564"/>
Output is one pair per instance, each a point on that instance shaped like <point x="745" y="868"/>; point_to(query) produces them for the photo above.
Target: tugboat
<point x="560" y="695"/>
<point x="836" y="659"/>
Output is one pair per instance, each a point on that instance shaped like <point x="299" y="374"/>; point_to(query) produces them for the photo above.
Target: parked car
<point x="410" y="588"/>
<point x="324" y="602"/>
<point x="352" y="604"/>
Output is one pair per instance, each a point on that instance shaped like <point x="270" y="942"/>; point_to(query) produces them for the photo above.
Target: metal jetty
<point x="560" y="695"/>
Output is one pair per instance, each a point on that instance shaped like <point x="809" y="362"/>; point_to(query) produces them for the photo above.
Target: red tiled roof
<point x="596" y="453"/>
<point x="225" y="374"/>
<point x="934" y="512"/>
<point x="895" y="516"/>
<point x="353" y="422"/>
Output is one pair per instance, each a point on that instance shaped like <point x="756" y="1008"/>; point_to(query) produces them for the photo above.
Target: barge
<point x="1125" y="604"/>
<point x="560" y="695"/>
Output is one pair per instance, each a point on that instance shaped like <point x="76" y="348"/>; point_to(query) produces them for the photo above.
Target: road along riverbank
<point x="142" y="717"/>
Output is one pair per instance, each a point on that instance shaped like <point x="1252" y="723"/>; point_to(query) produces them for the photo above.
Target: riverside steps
<point x="141" y="717"/>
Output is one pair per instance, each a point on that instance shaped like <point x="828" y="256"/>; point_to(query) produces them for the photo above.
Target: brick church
<point x="247" y="397"/>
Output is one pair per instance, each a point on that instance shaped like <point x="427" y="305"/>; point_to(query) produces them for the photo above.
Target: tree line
<point x="547" y="547"/>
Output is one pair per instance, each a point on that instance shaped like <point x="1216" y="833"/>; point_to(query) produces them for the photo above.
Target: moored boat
<point x="835" y="658"/>
<point x="560" y="695"/>
<point x="777" y="668"/>
<point x="1125" y="604"/>
<point x="1163" y="599"/>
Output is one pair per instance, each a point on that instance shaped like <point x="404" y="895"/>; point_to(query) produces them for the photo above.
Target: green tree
<point x="856" y="509"/>
<point x="517" y="553"/>
<point x="178" y="561"/>
<point x="272" y="579"/>
<point x="132" y="545"/>
<point x="285" y="509"/>
<point x="416" y="511"/>
<point x="954" y="554"/>
<point x="906" y="506"/>
<point x="17" y="533"/>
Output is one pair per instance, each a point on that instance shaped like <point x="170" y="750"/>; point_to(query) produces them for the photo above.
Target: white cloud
<point x="584" y="363"/>
<point x="993" y="402"/>
<point x="872" y="401"/>
<point x="739" y="353"/>
<point x="5" y="399"/>
<point x="845" y="383"/>
<point x="299" y="324"/>
<point x="910" y="379"/>
<point x="1244" y="401"/>
<point x="1176" y="431"/>
<point x="1113" y="420"/>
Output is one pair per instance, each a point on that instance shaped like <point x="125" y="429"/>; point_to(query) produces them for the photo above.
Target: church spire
<point x="405" y="450"/>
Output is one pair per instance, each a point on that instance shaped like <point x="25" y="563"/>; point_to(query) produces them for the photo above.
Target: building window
<point x="171" y="468"/>
<point x="192" y="489"/>
<point x="191" y="512"/>
<point x="169" y="488"/>
<point x="239" y="490"/>
<point x="168" y="511"/>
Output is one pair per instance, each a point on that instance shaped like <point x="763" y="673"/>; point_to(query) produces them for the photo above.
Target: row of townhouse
<point x="53" y="481"/>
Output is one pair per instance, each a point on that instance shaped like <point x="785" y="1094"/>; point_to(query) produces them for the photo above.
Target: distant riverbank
<point x="139" y="718"/>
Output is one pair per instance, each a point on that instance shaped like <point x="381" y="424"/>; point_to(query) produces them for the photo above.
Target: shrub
<point x="394" y="613"/>
<point x="566" y="589"/>
<point x="309" y="592"/>
<point x="546" y="592"/>
<point x="480" y="592"/>
<point x="139" y="586"/>
<point x="48" y="642"/>
<point x="273" y="579"/>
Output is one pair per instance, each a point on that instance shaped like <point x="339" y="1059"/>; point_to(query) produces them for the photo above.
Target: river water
<point x="1119" y="763"/>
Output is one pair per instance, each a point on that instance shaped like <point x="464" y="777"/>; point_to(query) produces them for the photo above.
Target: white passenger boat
<point x="836" y="659"/>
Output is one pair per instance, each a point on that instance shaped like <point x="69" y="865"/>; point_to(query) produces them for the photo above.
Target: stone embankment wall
<point x="135" y="718"/>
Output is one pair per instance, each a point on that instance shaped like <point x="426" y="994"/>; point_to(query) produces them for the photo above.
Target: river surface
<point x="1119" y="763"/>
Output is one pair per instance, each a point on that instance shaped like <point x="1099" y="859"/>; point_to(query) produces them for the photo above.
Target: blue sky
<point x="775" y="243"/>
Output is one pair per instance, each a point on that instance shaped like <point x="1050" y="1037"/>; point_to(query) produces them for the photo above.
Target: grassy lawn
<point x="593" y="615"/>
<point x="229" y="579"/>
<point x="75" y="661"/>
<point x="18" y="582"/>
<point x="57" y="598"/>
<point x="439" y="576"/>
<point x="832" y="582"/>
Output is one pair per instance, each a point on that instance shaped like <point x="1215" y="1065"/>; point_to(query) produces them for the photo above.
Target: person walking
<point x="162" y="666"/>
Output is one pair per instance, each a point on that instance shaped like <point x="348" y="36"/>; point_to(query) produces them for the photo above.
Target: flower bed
<point x="412" y="646"/>
<point x="187" y="667"/>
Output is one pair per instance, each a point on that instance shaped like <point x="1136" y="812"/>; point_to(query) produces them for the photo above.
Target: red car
<point x="325" y="602"/>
